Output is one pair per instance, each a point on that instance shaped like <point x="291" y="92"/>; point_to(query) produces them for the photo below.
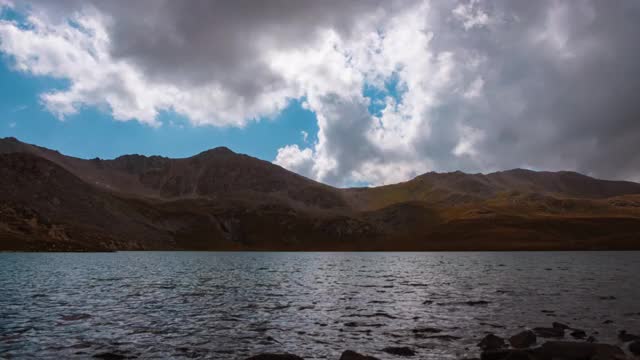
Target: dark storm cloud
<point x="198" y="42"/>
<point x="559" y="79"/>
<point x="583" y="104"/>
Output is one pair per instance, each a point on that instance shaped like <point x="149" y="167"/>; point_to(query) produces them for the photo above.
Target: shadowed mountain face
<point x="220" y="200"/>
<point x="210" y="174"/>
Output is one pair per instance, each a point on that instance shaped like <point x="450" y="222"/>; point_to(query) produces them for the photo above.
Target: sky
<point x="365" y="92"/>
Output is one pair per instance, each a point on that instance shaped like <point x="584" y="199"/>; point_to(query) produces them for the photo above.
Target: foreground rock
<point x="75" y="317"/>
<point x="352" y="355"/>
<point x="523" y="340"/>
<point x="560" y="350"/>
<point x="578" y="334"/>
<point x="275" y="357"/>
<point x="109" y="356"/>
<point x="553" y="332"/>
<point x="624" y="336"/>
<point x="579" y="351"/>
<point x="492" y="342"/>
<point x="426" y="330"/>
<point x="557" y="325"/>
<point x="400" y="351"/>
<point x="508" y="355"/>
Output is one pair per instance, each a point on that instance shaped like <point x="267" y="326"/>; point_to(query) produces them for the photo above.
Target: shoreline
<point x="318" y="251"/>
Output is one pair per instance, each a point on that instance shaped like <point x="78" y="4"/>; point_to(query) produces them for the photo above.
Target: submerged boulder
<point x="492" y="342"/>
<point x="566" y="350"/>
<point x="426" y="330"/>
<point x="109" y="356"/>
<point x="400" y="351"/>
<point x="75" y="317"/>
<point x="508" y="355"/>
<point x="352" y="355"/>
<point x="275" y="357"/>
<point x="559" y="350"/>
<point x="578" y="334"/>
<point x="624" y="336"/>
<point x="523" y="339"/>
<point x="558" y="325"/>
<point x="552" y="332"/>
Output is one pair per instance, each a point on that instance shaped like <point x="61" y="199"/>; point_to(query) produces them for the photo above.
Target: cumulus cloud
<point x="470" y="84"/>
<point x="471" y="14"/>
<point x="292" y="157"/>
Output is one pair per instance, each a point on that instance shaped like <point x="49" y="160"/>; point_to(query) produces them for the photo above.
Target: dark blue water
<point x="230" y="305"/>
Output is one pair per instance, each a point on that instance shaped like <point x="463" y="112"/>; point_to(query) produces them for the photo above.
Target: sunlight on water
<point x="229" y="305"/>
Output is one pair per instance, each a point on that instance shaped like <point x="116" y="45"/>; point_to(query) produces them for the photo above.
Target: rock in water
<point x="557" y="325"/>
<point x="75" y="317"/>
<point x="566" y="350"/>
<point x="428" y="330"/>
<point x="508" y="355"/>
<point x="400" y="351"/>
<point x="109" y="356"/>
<point x="492" y="342"/>
<point x="275" y="357"/>
<point x="523" y="340"/>
<point x="549" y="332"/>
<point x="634" y="347"/>
<point x="476" y="302"/>
<point x="624" y="336"/>
<point x="578" y="334"/>
<point x="352" y="355"/>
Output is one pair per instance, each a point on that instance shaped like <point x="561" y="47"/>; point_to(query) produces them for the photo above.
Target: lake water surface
<point x="230" y="305"/>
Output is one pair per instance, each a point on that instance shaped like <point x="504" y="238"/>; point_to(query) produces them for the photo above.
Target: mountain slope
<point x="220" y="200"/>
<point x="45" y="207"/>
<point x="456" y="188"/>
<point x="213" y="173"/>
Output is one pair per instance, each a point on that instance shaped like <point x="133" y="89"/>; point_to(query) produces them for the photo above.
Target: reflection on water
<point x="228" y="305"/>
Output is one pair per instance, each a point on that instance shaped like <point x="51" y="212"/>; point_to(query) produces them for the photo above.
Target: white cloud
<point x="475" y="89"/>
<point x="353" y="145"/>
<point x="468" y="139"/>
<point x="78" y="50"/>
<point x="471" y="15"/>
<point x="479" y="85"/>
<point x="292" y="157"/>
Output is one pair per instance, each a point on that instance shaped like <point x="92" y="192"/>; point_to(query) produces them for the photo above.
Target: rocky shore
<point x="526" y="345"/>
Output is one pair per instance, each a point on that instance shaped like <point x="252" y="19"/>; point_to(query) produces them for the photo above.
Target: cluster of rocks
<point x="521" y="346"/>
<point x="346" y="355"/>
<point x="495" y="348"/>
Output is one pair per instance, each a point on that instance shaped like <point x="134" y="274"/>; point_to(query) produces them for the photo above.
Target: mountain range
<point x="220" y="200"/>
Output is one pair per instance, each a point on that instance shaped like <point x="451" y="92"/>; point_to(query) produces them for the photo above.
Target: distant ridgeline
<point x="220" y="200"/>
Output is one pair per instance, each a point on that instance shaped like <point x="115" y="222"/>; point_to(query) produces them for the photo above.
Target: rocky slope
<point x="220" y="200"/>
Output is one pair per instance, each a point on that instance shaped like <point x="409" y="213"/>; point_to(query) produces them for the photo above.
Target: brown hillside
<point x="220" y="200"/>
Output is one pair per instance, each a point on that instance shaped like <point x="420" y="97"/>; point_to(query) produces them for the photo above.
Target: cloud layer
<point x="470" y="85"/>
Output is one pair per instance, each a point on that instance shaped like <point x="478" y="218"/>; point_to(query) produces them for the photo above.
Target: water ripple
<point x="230" y="305"/>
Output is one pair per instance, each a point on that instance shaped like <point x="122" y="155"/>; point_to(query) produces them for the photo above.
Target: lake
<point x="223" y="305"/>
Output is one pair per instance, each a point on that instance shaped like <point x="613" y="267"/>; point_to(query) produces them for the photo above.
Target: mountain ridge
<point x="18" y="146"/>
<point x="220" y="200"/>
